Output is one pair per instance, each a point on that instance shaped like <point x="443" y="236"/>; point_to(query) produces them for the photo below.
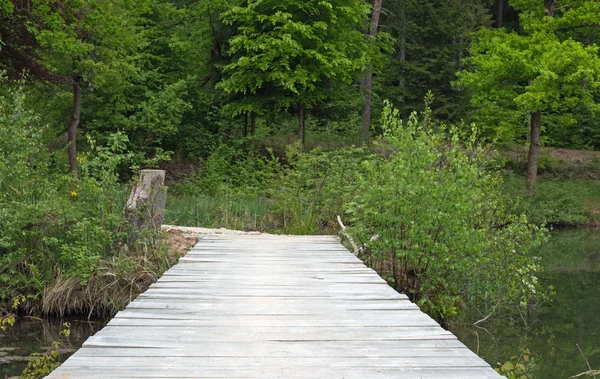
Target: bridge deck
<point x="272" y="307"/>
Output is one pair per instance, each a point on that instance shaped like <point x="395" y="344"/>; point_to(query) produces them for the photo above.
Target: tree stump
<point x="145" y="209"/>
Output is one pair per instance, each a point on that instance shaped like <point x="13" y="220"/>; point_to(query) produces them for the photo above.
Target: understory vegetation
<point x="64" y="245"/>
<point x="425" y="203"/>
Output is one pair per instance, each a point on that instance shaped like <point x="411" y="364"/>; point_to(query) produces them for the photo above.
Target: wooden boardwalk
<point x="265" y="306"/>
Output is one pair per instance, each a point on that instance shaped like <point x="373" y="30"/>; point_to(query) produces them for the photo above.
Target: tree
<point x="432" y="37"/>
<point x="368" y="81"/>
<point x="73" y="43"/>
<point x="291" y="53"/>
<point x="541" y="72"/>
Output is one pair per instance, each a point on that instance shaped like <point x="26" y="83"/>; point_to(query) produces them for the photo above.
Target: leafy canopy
<point x="545" y="69"/>
<point x="293" y="50"/>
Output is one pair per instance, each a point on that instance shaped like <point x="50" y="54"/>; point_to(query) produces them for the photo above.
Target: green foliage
<point x="21" y="189"/>
<point x="8" y="318"/>
<point x="512" y="75"/>
<point x="436" y="212"/>
<point x="234" y="211"/>
<point x="230" y="190"/>
<point x="6" y="6"/>
<point x="431" y="209"/>
<point x="54" y="229"/>
<point x="231" y="169"/>
<point x="289" y="52"/>
<point x="520" y="367"/>
<point x="431" y="40"/>
<point x="95" y="38"/>
<point x="316" y="187"/>
<point x="40" y="366"/>
<point x="558" y="202"/>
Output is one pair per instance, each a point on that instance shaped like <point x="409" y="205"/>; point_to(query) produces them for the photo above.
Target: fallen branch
<point x="591" y="372"/>
<point x="350" y="239"/>
<point x="358" y="250"/>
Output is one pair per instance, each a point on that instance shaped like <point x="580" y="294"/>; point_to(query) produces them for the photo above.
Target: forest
<point x="458" y="132"/>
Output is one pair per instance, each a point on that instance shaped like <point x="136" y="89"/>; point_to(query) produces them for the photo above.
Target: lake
<point x="572" y="267"/>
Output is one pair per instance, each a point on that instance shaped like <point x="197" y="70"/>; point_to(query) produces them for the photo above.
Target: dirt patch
<point x="564" y="155"/>
<point x="180" y="242"/>
<point x="199" y="232"/>
<point x="557" y="162"/>
<point x="574" y="156"/>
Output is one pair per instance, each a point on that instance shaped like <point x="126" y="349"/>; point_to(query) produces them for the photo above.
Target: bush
<point x="233" y="169"/>
<point x="435" y="214"/>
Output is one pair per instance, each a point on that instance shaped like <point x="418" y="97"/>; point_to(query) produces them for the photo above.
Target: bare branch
<point x="350" y="239"/>
<point x="591" y="372"/>
<point x="488" y="316"/>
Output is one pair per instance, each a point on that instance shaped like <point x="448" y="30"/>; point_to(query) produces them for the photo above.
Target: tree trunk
<point x="302" y="126"/>
<point x="245" y="131"/>
<point x="402" y="82"/>
<point x="536" y="126"/>
<point x="500" y="13"/>
<point x="145" y="208"/>
<point x="550" y="6"/>
<point x="534" y="151"/>
<point x="252" y="123"/>
<point x="74" y="124"/>
<point x="460" y="60"/>
<point x="368" y="80"/>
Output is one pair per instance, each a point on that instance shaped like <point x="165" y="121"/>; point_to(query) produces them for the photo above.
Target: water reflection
<point x="572" y="260"/>
<point x="30" y="335"/>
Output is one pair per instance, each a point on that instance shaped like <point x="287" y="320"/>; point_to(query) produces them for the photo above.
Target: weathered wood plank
<point x="253" y="350"/>
<point x="192" y="362"/>
<point x="245" y="348"/>
<point x="265" y="306"/>
<point x="91" y="372"/>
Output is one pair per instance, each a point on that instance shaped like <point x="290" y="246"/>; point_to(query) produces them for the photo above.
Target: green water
<point x="572" y="261"/>
<point x="29" y="336"/>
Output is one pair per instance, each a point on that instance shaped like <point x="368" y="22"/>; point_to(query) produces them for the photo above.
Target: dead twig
<point x="591" y="372"/>
<point x="488" y="316"/>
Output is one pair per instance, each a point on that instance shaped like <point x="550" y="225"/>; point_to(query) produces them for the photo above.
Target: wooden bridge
<point x="262" y="306"/>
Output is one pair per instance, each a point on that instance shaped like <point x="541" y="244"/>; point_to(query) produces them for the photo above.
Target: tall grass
<point x="231" y="212"/>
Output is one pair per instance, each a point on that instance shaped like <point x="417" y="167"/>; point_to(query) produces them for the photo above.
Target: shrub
<point x="431" y="209"/>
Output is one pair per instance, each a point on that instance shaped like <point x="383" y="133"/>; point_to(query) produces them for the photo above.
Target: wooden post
<point x="145" y="208"/>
